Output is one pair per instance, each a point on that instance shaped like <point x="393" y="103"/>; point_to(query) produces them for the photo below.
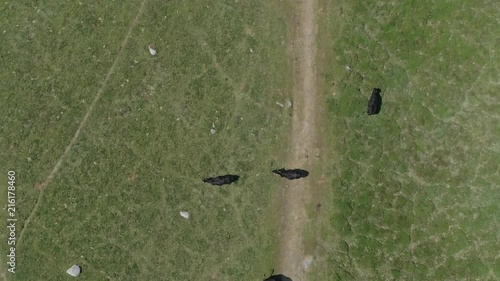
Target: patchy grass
<point x="114" y="205"/>
<point x="415" y="189"/>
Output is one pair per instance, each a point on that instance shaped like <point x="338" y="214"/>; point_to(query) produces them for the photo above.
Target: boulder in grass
<point x="74" y="271"/>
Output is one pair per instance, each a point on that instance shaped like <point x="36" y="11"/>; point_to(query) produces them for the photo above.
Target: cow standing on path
<point x="375" y="102"/>
<point x="291" y="174"/>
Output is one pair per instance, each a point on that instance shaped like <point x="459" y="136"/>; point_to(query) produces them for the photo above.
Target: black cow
<point x="279" y="277"/>
<point x="375" y="103"/>
<point x="221" y="180"/>
<point x="291" y="174"/>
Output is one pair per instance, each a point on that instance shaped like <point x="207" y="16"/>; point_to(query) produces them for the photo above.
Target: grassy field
<point x="415" y="190"/>
<point x="113" y="207"/>
<point x="411" y="194"/>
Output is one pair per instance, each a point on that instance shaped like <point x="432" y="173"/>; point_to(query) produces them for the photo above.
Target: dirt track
<point x="303" y="141"/>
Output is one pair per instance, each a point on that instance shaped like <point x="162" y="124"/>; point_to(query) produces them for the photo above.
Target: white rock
<point x="348" y="68"/>
<point x="213" y="131"/>
<point x="152" y="51"/>
<point x="74" y="271"/>
<point x="288" y="103"/>
<point x="185" y="214"/>
<point x="280" y="104"/>
<point x="307" y="262"/>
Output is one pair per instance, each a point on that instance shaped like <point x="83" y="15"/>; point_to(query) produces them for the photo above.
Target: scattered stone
<point x="288" y="103"/>
<point x="213" y="131"/>
<point x="348" y="68"/>
<point x="152" y="51"/>
<point x="307" y="262"/>
<point x="280" y="104"/>
<point x="185" y="214"/>
<point x="74" y="271"/>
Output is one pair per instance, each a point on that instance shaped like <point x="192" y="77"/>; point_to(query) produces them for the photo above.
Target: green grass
<point x="412" y="193"/>
<point x="114" y="205"/>
<point x="415" y="189"/>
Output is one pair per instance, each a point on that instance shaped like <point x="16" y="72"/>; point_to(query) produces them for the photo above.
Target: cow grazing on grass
<point x="221" y="180"/>
<point x="291" y="174"/>
<point x="375" y="102"/>
<point x="279" y="277"/>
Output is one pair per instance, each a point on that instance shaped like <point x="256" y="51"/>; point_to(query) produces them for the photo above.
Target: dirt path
<point x="304" y="142"/>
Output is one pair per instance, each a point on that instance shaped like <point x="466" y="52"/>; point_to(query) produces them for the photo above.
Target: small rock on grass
<point x="74" y="271"/>
<point x="152" y="50"/>
<point x="185" y="214"/>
